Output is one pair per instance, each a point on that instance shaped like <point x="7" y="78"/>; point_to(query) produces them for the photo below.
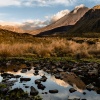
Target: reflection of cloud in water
<point x="1" y="78"/>
<point x="59" y="82"/>
<point x="27" y="74"/>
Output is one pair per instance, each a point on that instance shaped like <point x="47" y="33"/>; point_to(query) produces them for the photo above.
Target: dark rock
<point x="71" y="90"/>
<point x="53" y="91"/>
<point x="25" y="79"/>
<point x="84" y="93"/>
<point x="15" y="70"/>
<point x="26" y="86"/>
<point x="17" y="76"/>
<point x="43" y="79"/>
<point x="36" y="71"/>
<point x="57" y="76"/>
<point x="41" y="86"/>
<point x="37" y="81"/>
<point x="24" y="70"/>
<point x="33" y="91"/>
<point x="98" y="91"/>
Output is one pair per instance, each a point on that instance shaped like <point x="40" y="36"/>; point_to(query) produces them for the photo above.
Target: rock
<point x="25" y="79"/>
<point x="84" y="93"/>
<point x="43" y="79"/>
<point x="71" y="90"/>
<point x="93" y="72"/>
<point x="41" y="86"/>
<point x="24" y="70"/>
<point x="53" y="91"/>
<point x="37" y="81"/>
<point x="90" y="87"/>
<point x="17" y="76"/>
<point x="36" y="71"/>
<point x="33" y="91"/>
<point x="60" y="70"/>
<point x="57" y="76"/>
<point x="15" y="70"/>
<point x="26" y="86"/>
<point x="73" y="98"/>
<point x="98" y="91"/>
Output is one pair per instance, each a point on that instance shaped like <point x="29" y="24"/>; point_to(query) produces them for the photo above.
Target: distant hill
<point x="89" y="23"/>
<point x="12" y="28"/>
<point x="64" y="23"/>
<point x="12" y="37"/>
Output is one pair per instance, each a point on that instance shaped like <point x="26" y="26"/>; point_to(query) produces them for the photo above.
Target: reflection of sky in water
<point x="52" y="83"/>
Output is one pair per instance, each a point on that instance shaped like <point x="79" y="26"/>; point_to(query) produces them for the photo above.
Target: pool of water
<point x="52" y="83"/>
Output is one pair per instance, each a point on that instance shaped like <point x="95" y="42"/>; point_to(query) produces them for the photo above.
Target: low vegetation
<point x="51" y="48"/>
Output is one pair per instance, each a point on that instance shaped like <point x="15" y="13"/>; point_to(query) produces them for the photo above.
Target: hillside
<point x="12" y="28"/>
<point x="12" y="37"/>
<point x="89" y="23"/>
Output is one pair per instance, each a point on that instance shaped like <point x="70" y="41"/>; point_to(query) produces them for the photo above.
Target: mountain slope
<point x="68" y="20"/>
<point x="89" y="23"/>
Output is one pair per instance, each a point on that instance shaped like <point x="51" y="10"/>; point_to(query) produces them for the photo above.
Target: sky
<point x="32" y="14"/>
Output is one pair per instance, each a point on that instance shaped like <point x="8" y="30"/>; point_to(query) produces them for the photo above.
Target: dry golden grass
<point x="54" y="47"/>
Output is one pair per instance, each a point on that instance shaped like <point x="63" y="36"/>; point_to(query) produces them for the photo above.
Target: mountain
<point x="89" y="23"/>
<point x="64" y="23"/>
<point x="12" y="28"/>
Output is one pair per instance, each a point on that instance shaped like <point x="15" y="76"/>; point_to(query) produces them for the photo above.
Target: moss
<point x="3" y="86"/>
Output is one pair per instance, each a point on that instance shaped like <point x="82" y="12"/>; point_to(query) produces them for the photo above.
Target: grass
<point x="53" y="48"/>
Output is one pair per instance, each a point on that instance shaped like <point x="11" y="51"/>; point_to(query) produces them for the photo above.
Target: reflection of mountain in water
<point x="73" y="80"/>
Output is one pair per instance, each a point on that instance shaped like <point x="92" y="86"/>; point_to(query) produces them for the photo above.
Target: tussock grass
<point x="58" y="47"/>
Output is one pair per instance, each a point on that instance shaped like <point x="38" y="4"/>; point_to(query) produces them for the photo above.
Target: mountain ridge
<point x="68" y="20"/>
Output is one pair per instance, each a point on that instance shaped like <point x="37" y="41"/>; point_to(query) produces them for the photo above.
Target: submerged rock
<point x="74" y="98"/>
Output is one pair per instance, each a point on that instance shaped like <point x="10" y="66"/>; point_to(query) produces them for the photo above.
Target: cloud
<point x="9" y="3"/>
<point x="33" y="24"/>
<point x="57" y="16"/>
<point x="35" y="2"/>
<point x="3" y="23"/>
<point x="43" y="2"/>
